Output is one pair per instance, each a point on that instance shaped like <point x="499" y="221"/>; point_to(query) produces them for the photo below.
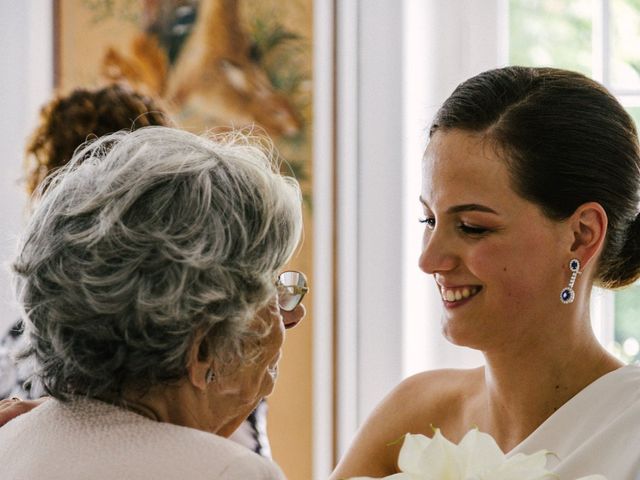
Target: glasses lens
<point x="291" y="288"/>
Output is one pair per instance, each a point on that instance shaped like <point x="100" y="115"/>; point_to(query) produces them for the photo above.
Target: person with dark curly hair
<point x="68" y="121"/>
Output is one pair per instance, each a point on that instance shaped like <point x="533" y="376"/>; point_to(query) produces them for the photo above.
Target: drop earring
<point x="209" y="376"/>
<point x="568" y="295"/>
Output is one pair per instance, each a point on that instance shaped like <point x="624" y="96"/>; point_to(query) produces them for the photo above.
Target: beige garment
<point x="597" y="431"/>
<point x="88" y="439"/>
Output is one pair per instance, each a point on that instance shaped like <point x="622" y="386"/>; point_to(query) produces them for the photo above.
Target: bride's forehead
<point x="461" y="145"/>
<point x="459" y="166"/>
<point x="461" y="156"/>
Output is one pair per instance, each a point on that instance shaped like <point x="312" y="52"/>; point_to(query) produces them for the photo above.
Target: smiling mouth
<point x="454" y="295"/>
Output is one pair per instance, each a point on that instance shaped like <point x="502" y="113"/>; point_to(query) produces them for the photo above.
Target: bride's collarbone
<point x="451" y="401"/>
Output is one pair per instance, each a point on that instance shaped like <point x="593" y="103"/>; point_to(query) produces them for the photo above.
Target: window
<point x="599" y="38"/>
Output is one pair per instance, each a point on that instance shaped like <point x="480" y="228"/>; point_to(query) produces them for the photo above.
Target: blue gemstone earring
<point x="568" y="295"/>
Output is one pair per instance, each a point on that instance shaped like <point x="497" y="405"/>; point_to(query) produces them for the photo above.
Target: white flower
<point x="476" y="457"/>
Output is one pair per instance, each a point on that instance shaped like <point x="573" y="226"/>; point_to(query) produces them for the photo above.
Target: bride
<point x="530" y="193"/>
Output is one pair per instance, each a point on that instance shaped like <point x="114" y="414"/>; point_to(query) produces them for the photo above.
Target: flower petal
<point x="413" y="447"/>
<point x="429" y="459"/>
<point x="477" y="457"/>
<point x="478" y="451"/>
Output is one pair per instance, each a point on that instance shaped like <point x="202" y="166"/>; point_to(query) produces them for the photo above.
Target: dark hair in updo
<point x="566" y="141"/>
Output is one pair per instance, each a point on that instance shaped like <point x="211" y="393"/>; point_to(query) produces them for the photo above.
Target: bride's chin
<point x="460" y="336"/>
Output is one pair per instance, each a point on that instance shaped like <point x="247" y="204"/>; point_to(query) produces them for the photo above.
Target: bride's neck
<point x="524" y="388"/>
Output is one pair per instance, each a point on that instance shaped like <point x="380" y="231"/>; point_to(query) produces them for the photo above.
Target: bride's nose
<point x="437" y="253"/>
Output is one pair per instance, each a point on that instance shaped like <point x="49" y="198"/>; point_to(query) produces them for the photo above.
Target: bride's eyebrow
<point x="467" y="207"/>
<point x="471" y="207"/>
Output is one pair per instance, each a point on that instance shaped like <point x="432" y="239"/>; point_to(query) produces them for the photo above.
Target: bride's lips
<point x="457" y="296"/>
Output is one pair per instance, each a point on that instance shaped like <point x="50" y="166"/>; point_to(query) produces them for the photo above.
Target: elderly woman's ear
<point x="200" y="364"/>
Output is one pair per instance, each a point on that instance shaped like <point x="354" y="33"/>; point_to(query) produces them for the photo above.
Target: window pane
<point x="627" y="306"/>
<point x="625" y="38"/>
<point x="551" y="33"/>
<point x="635" y="114"/>
<point x="627" y="324"/>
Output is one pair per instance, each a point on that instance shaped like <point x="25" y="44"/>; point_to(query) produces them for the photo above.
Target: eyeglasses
<point x="292" y="287"/>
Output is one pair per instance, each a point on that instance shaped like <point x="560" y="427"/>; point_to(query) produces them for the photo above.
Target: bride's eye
<point x="472" y="229"/>
<point x="429" y="222"/>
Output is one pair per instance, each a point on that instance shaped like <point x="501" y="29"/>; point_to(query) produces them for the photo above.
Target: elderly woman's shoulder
<point x="259" y="468"/>
<point x="99" y="440"/>
<point x="232" y="461"/>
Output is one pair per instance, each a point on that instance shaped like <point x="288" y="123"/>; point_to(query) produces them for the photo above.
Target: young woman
<point x="530" y="192"/>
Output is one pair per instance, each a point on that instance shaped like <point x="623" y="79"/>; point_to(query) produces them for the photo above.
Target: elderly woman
<point x="149" y="278"/>
<point x="66" y="122"/>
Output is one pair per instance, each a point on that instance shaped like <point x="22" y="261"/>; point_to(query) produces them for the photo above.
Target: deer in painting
<point x="213" y="75"/>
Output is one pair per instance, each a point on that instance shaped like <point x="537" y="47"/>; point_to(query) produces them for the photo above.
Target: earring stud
<point x="209" y="376"/>
<point x="568" y="294"/>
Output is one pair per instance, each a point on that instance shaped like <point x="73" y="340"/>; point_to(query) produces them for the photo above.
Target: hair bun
<point x="627" y="270"/>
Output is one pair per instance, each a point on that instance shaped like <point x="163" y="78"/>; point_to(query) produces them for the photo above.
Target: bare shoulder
<point x="426" y="400"/>
<point x="434" y="394"/>
<point x="419" y="403"/>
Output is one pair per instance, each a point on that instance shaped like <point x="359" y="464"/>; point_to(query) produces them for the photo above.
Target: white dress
<point x="88" y="439"/>
<point x="597" y="431"/>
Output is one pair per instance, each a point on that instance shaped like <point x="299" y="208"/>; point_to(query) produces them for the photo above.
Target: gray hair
<point x="143" y="242"/>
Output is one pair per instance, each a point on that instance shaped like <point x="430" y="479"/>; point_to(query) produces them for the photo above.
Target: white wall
<point x="26" y="52"/>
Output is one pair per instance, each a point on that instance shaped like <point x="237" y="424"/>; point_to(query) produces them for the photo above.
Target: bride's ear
<point x="589" y="229"/>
